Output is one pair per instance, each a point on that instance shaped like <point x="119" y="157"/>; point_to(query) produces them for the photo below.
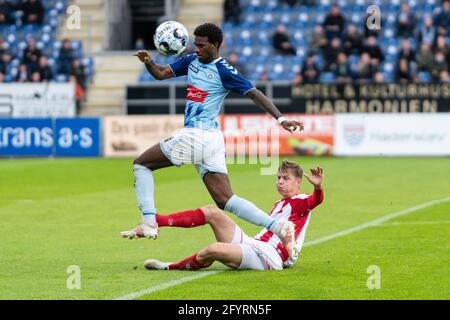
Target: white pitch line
<point x="345" y="232"/>
<point x="415" y="223"/>
<point x="166" y="285"/>
<point x="376" y="221"/>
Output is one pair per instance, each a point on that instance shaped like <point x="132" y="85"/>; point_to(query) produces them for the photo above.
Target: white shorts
<point x="256" y="255"/>
<point x="205" y="149"/>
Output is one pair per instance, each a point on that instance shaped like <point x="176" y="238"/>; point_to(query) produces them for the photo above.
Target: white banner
<point x="129" y="136"/>
<point x="31" y="100"/>
<point x="392" y="135"/>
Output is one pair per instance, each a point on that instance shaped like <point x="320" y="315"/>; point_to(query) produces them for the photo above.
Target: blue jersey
<point x="208" y="85"/>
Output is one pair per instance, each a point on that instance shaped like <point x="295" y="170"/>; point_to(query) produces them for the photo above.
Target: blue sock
<point x="246" y="210"/>
<point x="144" y="188"/>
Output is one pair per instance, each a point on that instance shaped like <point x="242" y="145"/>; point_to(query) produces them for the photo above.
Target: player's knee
<point x="211" y="212"/>
<point x="137" y="161"/>
<point x="211" y="251"/>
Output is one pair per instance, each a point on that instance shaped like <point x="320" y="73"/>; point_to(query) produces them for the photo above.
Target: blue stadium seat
<point x="62" y="78"/>
<point x="388" y="76"/>
<point x="274" y="76"/>
<point x="15" y="63"/>
<point x="424" y="77"/>
<point x="388" y="67"/>
<point x="353" y="59"/>
<point x="247" y="50"/>
<point x="254" y="76"/>
<point x="327" y="77"/>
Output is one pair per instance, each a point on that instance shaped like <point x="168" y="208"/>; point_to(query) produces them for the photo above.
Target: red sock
<point x="183" y="219"/>
<point x="189" y="263"/>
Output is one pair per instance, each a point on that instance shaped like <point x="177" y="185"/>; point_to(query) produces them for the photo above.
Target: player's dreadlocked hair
<point x="294" y="168"/>
<point x="210" y="30"/>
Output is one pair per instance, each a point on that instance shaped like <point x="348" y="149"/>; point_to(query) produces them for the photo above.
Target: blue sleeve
<point x="232" y="78"/>
<point x="181" y="66"/>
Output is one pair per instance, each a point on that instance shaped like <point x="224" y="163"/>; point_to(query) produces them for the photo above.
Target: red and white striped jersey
<point x="296" y="209"/>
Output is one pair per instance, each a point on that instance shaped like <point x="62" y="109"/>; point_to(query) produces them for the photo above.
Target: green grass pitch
<point x="56" y="213"/>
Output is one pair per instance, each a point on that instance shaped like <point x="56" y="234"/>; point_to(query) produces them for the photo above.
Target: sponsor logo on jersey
<point x="195" y="94"/>
<point x="193" y="68"/>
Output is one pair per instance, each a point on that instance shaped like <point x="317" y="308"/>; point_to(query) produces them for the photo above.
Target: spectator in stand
<point x="23" y="75"/>
<point x="281" y="42"/>
<point x="403" y="74"/>
<point x="2" y="77"/>
<point x="318" y="40"/>
<point x="406" y="51"/>
<point x="6" y="11"/>
<point x="343" y="72"/>
<point x="44" y="70"/>
<point x="264" y="76"/>
<point x="233" y="59"/>
<point x="334" y="23"/>
<point x="378" y="77"/>
<point x="331" y="53"/>
<point x="406" y="22"/>
<point x="79" y="93"/>
<point x="442" y="46"/>
<point x="31" y="54"/>
<point x="3" y="48"/>
<point x="66" y="57"/>
<point x="36" y="77"/>
<point x="442" y="19"/>
<point x="353" y="41"/>
<point x="427" y="32"/>
<point x="439" y="65"/>
<point x="33" y="12"/>
<point x="5" y="56"/>
<point x="307" y="2"/>
<point x="290" y="3"/>
<point x="232" y="11"/>
<point x="3" y="65"/>
<point x="374" y="51"/>
<point x="309" y="73"/>
<point x="139" y="43"/>
<point x="365" y="70"/>
<point x="77" y="70"/>
<point x="444" y="77"/>
<point x="425" y="58"/>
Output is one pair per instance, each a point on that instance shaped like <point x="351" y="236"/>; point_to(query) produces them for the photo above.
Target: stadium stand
<point x="251" y="38"/>
<point x="23" y="43"/>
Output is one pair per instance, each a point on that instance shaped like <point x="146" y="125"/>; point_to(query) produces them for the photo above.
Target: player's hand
<point x="143" y="55"/>
<point x="316" y="177"/>
<point x="292" y="125"/>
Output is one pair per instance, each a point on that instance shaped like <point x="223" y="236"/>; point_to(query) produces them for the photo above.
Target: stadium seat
<point x="424" y="77"/>
<point x="327" y="77"/>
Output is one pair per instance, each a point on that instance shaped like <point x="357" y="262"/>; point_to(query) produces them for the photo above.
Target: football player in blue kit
<point x="201" y="143"/>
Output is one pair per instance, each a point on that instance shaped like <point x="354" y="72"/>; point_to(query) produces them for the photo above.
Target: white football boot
<point x="285" y="230"/>
<point x="141" y="231"/>
<point x="153" y="264"/>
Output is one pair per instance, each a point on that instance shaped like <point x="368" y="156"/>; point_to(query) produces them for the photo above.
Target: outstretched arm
<point x="316" y="179"/>
<point x="261" y="100"/>
<point x="158" y="72"/>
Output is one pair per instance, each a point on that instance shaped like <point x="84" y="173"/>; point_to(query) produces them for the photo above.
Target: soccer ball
<point x="171" y="38"/>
